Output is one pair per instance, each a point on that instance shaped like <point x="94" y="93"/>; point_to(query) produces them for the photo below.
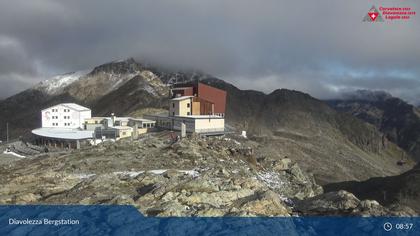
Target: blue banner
<point x="127" y="220"/>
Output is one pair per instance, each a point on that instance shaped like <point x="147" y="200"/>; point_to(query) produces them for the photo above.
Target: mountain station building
<point x="200" y="107"/>
<point x="69" y="125"/>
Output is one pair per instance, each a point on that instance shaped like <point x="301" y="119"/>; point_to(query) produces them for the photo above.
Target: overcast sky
<point x="319" y="47"/>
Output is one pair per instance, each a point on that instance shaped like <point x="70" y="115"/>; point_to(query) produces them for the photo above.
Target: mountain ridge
<point x="397" y="119"/>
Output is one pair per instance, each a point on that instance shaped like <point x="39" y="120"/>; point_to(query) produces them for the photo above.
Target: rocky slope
<point x="398" y="120"/>
<point x="221" y="176"/>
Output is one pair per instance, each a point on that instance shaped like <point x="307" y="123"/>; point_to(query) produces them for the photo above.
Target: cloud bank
<point x="319" y="47"/>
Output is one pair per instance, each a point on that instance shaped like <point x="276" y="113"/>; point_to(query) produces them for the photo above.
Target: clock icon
<point x="387" y="226"/>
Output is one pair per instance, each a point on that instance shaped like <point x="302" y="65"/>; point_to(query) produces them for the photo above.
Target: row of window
<point x="65" y="117"/>
<point x="188" y="105"/>
<point x="188" y="113"/>
<point x="148" y="125"/>
<point x="65" y="124"/>
<point x="56" y="110"/>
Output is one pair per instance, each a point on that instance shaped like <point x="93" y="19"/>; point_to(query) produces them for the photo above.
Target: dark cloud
<point x="320" y="47"/>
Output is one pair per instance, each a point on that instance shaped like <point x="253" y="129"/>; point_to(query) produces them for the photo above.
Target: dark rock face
<point x="403" y="189"/>
<point x="398" y="120"/>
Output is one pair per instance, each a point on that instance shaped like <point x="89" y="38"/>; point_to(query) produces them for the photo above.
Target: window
<point x="173" y="105"/>
<point x="188" y="113"/>
<point x="188" y="105"/>
<point x="144" y="125"/>
<point x="173" y="113"/>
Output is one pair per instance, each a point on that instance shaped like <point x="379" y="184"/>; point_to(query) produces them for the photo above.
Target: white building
<point x="65" y="115"/>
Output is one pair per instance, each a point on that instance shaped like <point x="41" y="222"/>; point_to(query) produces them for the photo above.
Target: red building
<point x="212" y="101"/>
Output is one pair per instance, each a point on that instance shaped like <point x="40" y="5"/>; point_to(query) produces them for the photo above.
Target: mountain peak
<point x="127" y="66"/>
<point x="367" y="95"/>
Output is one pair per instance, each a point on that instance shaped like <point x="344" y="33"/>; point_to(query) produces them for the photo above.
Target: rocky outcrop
<point x="345" y="203"/>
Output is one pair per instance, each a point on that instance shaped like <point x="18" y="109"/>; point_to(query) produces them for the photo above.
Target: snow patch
<point x="84" y="176"/>
<point x="150" y="90"/>
<point x="272" y="179"/>
<point x="13" y="154"/>
<point x="133" y="174"/>
<point x="57" y="83"/>
<point x="130" y="174"/>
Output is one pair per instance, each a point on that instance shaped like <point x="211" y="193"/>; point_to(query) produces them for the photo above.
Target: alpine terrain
<point x="294" y="145"/>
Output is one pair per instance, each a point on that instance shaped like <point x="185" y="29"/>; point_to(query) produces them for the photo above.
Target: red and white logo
<point x="373" y="15"/>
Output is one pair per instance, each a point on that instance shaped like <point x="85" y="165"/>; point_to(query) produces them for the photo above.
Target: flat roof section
<point x="181" y="98"/>
<point x="66" y="134"/>
<point x="187" y="117"/>
<point x="143" y="120"/>
<point x="201" y="117"/>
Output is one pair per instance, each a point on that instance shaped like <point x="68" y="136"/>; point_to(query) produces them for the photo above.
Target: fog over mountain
<point x="322" y="48"/>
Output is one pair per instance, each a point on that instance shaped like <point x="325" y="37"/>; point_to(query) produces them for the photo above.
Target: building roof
<point x="181" y="88"/>
<point x="96" y="118"/>
<point x="142" y="120"/>
<point x="122" y="118"/>
<point x="62" y="133"/>
<point x="181" y="98"/>
<point x="186" y="117"/>
<point x="72" y="106"/>
<point x="75" y="106"/>
<point x="121" y="127"/>
<point x="201" y="117"/>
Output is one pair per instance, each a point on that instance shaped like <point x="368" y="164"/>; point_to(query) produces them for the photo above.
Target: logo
<point x="373" y="15"/>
